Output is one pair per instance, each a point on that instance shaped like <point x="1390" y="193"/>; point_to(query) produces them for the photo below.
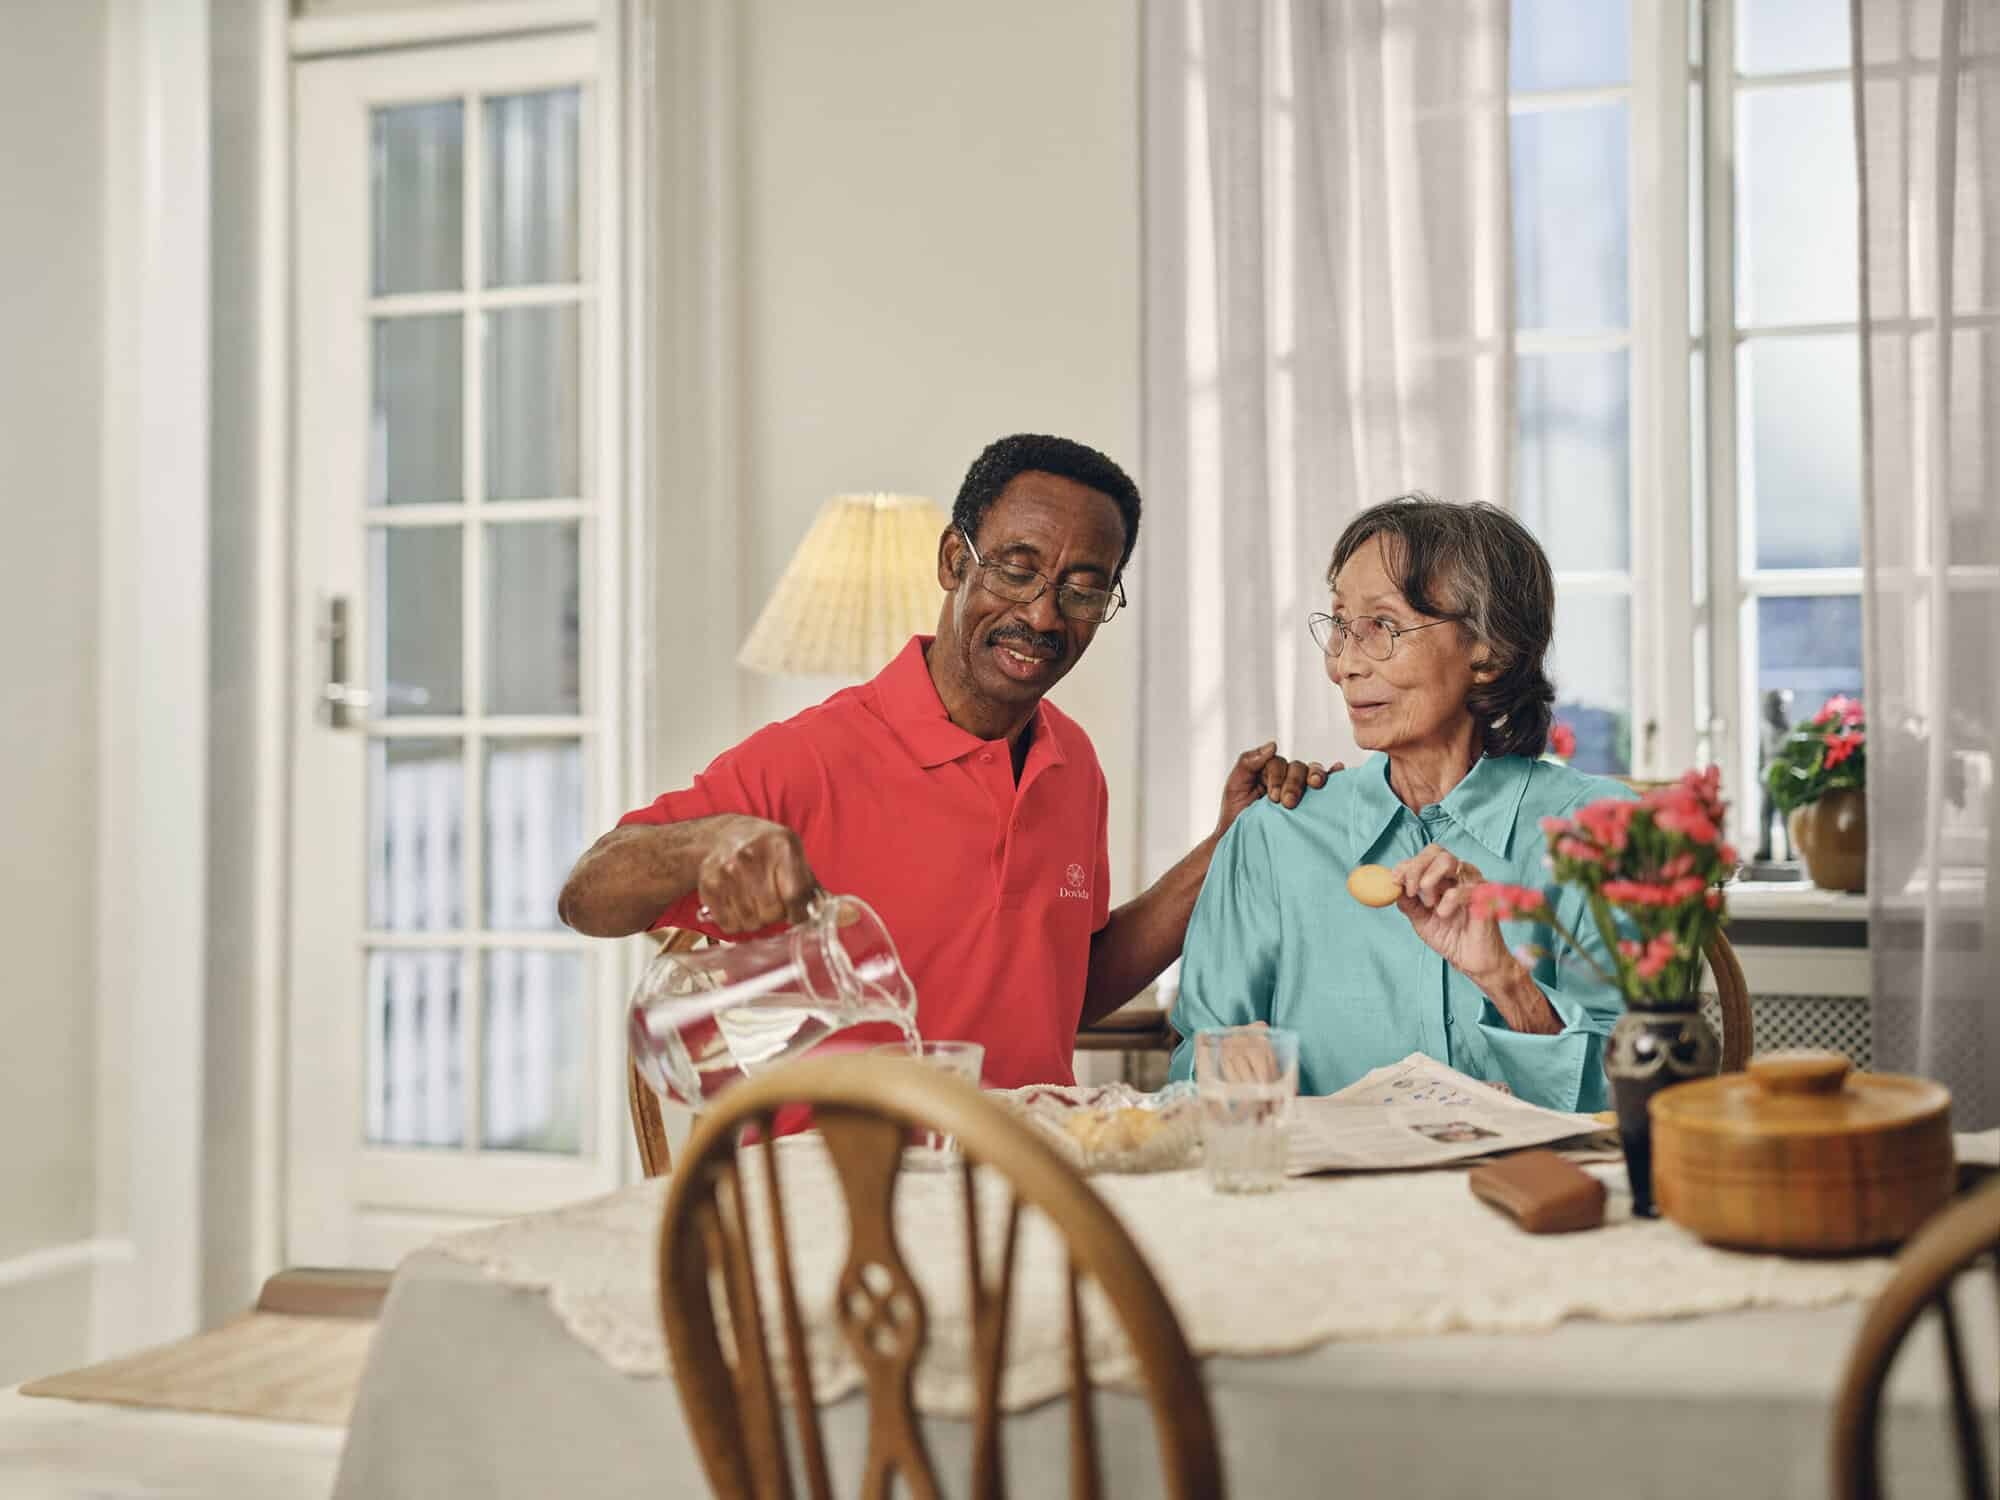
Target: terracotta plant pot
<point x="1831" y="835"/>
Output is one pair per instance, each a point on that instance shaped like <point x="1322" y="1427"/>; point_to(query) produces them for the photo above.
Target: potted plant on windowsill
<point x="1818" y="781"/>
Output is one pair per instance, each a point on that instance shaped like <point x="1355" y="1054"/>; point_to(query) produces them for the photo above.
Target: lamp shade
<point x="862" y="583"/>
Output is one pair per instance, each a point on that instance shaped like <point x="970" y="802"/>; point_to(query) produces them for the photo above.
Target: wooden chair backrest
<point x="1959" y="1236"/>
<point x="649" y="1131"/>
<point x="865" y="1107"/>
<point x="1732" y="997"/>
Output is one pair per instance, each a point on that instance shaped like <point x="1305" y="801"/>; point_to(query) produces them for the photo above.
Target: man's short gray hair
<point x="1475" y="564"/>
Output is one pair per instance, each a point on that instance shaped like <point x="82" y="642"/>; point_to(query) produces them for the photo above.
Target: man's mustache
<point x="1051" y="642"/>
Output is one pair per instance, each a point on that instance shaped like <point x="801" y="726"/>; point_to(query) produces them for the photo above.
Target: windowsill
<point x="1771" y="901"/>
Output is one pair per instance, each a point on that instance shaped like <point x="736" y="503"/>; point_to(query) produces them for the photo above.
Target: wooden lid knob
<point x="1805" y="1071"/>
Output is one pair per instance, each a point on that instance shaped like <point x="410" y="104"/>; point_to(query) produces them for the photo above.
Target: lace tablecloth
<point x="1326" y="1258"/>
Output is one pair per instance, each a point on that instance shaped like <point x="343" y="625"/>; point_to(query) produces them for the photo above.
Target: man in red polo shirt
<point x="946" y="793"/>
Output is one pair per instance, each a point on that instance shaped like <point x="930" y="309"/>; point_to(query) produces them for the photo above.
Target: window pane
<point x="532" y="404"/>
<point x="1791" y="36"/>
<point x="1592" y="667"/>
<point x="416" y="433"/>
<point x="1796" y="206"/>
<point x="416" y="835"/>
<point x="1810" y="647"/>
<point x="533" y="650"/>
<point x="533" y="1029"/>
<point x="416" y="604"/>
<point x="1570" y="221"/>
<point x="1799" y="403"/>
<point x="534" y="829"/>
<point x="415" y="1029"/>
<point x="531" y="188"/>
<point x="1570" y="464"/>
<point x="1568" y="44"/>
<point x="416" y="178"/>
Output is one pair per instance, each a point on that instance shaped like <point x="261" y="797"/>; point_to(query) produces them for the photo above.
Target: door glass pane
<point x="1809" y="647"/>
<point x="416" y="835"/>
<point x="533" y="649"/>
<point x="1570" y="221"/>
<point x="531" y="188"/>
<point x="1568" y="44"/>
<point x="532" y="404"/>
<point x="534" y="1028"/>
<point x="534" y="829"/>
<point x="416" y="604"/>
<point x="416" y="435"/>
<point x="416" y="1085"/>
<point x="1799" y="405"/>
<point x="1796" y="213"/>
<point x="1592" y="667"/>
<point x="1571" y="469"/>
<point x="1791" y="36"/>
<point x="416" y="176"/>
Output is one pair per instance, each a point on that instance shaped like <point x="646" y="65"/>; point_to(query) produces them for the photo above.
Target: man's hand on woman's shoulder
<point x="1261" y="774"/>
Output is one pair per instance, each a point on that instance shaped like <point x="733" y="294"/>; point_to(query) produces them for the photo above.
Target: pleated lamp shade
<point x="862" y="583"/>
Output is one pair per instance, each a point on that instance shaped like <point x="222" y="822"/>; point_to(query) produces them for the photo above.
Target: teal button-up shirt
<point x="1276" y="937"/>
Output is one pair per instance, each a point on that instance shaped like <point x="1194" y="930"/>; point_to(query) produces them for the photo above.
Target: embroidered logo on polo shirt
<point x="1075" y="887"/>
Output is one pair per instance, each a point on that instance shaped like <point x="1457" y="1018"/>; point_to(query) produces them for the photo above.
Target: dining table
<point x="1376" y="1333"/>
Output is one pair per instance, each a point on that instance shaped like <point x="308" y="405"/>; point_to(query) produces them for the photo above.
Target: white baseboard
<point x="63" y="1306"/>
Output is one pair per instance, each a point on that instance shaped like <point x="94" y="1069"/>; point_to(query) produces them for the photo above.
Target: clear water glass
<point x="1246" y="1078"/>
<point x="966" y="1060"/>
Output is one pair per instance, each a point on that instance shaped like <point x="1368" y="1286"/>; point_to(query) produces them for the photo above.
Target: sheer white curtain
<point x="1928" y="122"/>
<point x="1328" y="322"/>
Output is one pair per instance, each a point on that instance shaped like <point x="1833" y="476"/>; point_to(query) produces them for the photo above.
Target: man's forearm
<point x="622" y="883"/>
<point x="1144" y="935"/>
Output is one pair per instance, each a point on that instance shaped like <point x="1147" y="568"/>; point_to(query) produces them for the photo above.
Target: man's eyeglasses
<point x="1376" y="638"/>
<point x="1025" y="586"/>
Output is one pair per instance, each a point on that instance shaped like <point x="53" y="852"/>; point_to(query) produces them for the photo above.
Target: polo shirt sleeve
<point x="771" y="775"/>
<point x="1100" y="906"/>
<point x="1229" y="965"/>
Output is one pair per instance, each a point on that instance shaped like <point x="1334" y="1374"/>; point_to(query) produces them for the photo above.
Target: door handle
<point x="342" y="705"/>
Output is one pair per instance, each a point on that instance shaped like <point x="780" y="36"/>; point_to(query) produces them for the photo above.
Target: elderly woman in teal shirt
<point x="1440" y="623"/>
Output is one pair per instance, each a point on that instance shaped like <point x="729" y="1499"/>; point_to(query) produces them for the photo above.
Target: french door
<point x="454" y="1053"/>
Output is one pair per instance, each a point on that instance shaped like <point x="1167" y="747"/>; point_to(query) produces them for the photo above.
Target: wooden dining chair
<point x="1732" y="999"/>
<point x="865" y="1107"/>
<point x="1954" y="1241"/>
<point x="649" y="1130"/>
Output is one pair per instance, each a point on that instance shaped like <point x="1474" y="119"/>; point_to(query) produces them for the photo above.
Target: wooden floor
<point x="73" y="1450"/>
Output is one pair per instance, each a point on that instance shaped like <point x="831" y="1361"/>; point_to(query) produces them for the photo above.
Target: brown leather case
<point x="1543" y="1193"/>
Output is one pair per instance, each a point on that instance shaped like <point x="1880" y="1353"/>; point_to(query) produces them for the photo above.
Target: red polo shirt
<point x="991" y="889"/>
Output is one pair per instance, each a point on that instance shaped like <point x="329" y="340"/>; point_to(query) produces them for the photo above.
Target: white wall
<point x="939" y="245"/>
<point x="51" y="408"/>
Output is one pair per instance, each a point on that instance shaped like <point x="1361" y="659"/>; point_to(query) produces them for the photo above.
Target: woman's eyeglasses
<point x="1376" y="638"/>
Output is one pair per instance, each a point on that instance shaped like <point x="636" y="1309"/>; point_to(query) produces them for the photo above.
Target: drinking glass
<point x="1246" y="1077"/>
<point x="703" y="1020"/>
<point x="965" y="1059"/>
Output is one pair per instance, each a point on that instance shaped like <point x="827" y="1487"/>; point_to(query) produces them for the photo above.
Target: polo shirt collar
<point x="912" y="708"/>
<point x="1485" y="803"/>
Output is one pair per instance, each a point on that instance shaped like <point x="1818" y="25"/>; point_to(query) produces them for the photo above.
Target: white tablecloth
<point x="478" y="1384"/>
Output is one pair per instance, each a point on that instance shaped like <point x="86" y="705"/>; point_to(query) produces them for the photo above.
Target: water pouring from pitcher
<point x="703" y="1020"/>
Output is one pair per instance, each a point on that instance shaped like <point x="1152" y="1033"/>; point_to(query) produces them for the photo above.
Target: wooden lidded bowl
<point x="1801" y="1153"/>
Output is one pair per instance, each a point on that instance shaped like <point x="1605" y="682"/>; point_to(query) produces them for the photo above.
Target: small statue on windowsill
<point x="1773" y="725"/>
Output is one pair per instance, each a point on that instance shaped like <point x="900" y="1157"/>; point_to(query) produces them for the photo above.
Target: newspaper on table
<point x="1418" y="1113"/>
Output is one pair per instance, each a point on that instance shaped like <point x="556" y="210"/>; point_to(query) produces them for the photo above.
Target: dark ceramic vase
<point x="1650" y="1050"/>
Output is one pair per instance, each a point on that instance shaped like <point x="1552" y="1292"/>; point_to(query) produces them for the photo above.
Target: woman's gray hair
<point x="1475" y="564"/>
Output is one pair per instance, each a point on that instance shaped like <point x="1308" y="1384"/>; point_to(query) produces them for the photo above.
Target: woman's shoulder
<point x="1555" y="789"/>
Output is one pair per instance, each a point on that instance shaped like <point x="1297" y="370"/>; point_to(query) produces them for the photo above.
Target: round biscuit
<point x="1372" y="885"/>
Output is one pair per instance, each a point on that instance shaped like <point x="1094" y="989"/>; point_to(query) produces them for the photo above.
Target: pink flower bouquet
<point x="1650" y="871"/>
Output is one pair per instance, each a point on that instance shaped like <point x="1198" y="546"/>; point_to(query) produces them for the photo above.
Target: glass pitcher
<point x="701" y="1021"/>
